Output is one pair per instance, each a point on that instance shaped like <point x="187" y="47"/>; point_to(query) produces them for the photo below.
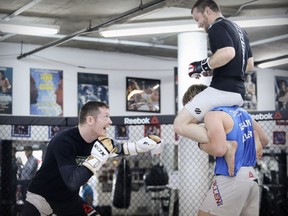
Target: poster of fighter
<point x="6" y="90"/>
<point x="250" y="99"/>
<point x="142" y="95"/>
<point x="281" y="93"/>
<point x="121" y="132"/>
<point x="92" y="87"/>
<point x="21" y="131"/>
<point x="46" y="92"/>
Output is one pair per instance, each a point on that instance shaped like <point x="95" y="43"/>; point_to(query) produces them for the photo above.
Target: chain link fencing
<point x="173" y="184"/>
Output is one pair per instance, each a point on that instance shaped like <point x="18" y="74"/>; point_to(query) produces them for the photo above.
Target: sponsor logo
<point x="216" y="193"/>
<point x="251" y="175"/>
<point x="99" y="149"/>
<point x="277" y="115"/>
<point x="260" y="116"/>
<point x="146" y="143"/>
<point x="137" y="120"/>
<point x="197" y="111"/>
<point x="154" y="120"/>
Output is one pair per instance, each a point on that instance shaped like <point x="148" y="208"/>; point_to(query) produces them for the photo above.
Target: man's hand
<point x="99" y="154"/>
<point x="259" y="148"/>
<point x="149" y="143"/>
<point x="197" y="67"/>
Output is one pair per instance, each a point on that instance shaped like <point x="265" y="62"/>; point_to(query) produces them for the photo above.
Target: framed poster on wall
<point x="281" y="93"/>
<point x="6" y="86"/>
<point x="121" y="132"/>
<point x="53" y="130"/>
<point x="279" y="137"/>
<point x="46" y="92"/>
<point x="152" y="130"/>
<point x="250" y="99"/>
<point x="92" y="87"/>
<point x="21" y="131"/>
<point x="143" y="95"/>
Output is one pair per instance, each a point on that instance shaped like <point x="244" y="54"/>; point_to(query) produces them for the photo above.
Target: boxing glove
<point x="196" y="68"/>
<point x="158" y="149"/>
<point x="143" y="145"/>
<point x="100" y="152"/>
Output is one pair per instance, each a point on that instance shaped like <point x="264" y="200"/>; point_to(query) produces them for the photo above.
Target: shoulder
<point x="215" y="115"/>
<point x="218" y="115"/>
<point x="65" y="138"/>
<point x="66" y="134"/>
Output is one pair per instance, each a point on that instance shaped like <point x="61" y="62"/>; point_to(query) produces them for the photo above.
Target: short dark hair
<point x="28" y="148"/>
<point x="202" y="4"/>
<point x="191" y="92"/>
<point x="90" y="108"/>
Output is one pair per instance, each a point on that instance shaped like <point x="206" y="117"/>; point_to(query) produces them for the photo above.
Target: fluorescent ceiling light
<point x="149" y="28"/>
<point x="28" y="29"/>
<point x="181" y="26"/>
<point x="273" y="63"/>
<point x="262" y="22"/>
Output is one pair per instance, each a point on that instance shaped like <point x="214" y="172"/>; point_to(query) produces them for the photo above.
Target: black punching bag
<point x="122" y="183"/>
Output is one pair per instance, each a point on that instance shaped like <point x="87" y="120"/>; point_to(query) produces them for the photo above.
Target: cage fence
<point x="144" y="185"/>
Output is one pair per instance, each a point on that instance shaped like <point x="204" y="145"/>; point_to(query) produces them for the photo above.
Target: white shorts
<point x="235" y="196"/>
<point x="211" y="98"/>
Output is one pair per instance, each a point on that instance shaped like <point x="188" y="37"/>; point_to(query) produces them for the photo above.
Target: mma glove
<point x="149" y="143"/>
<point x="100" y="152"/>
<point x="196" y="68"/>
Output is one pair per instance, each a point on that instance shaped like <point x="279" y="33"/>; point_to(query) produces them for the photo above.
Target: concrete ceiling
<point x="76" y="16"/>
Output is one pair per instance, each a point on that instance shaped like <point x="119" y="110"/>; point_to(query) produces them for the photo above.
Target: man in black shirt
<point x="72" y="157"/>
<point x="231" y="58"/>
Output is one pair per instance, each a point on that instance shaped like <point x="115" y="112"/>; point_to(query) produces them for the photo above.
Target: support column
<point x="193" y="164"/>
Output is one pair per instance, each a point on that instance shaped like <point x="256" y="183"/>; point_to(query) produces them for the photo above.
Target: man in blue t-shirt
<point x="231" y="136"/>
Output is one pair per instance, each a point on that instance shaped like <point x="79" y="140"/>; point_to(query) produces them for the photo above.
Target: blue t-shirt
<point x="243" y="133"/>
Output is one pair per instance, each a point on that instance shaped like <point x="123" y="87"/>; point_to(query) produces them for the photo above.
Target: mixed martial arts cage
<point x="174" y="184"/>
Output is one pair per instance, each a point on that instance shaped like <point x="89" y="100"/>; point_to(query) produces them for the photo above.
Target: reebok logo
<point x="260" y="116"/>
<point x="137" y="120"/>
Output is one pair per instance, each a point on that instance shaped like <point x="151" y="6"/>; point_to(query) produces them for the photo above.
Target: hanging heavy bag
<point x="122" y="183"/>
<point x="157" y="175"/>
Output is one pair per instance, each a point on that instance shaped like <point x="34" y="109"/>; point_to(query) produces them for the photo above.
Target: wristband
<point x="205" y="65"/>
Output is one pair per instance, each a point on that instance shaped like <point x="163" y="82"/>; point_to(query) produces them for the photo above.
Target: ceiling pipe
<point x="154" y="45"/>
<point x="244" y="5"/>
<point x="21" y="10"/>
<point x="269" y="40"/>
<point x="116" y="41"/>
<point x="16" y="13"/>
<point x="94" y="28"/>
